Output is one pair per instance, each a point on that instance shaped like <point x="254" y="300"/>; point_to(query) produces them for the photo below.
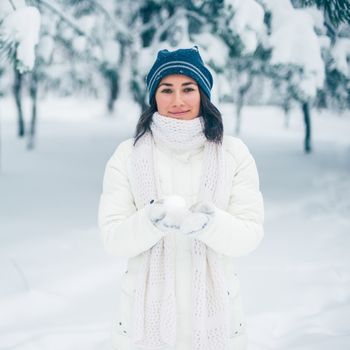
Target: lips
<point x="179" y="112"/>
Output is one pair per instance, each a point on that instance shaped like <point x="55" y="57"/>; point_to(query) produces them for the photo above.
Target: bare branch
<point x="172" y="20"/>
<point x="68" y="20"/>
<point x="13" y="5"/>
<point x="116" y="25"/>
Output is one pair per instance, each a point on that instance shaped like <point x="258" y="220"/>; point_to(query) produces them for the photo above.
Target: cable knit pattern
<point x="154" y="312"/>
<point x="180" y="134"/>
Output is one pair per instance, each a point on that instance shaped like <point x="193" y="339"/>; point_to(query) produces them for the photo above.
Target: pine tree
<point x="302" y="70"/>
<point x="336" y="92"/>
<point x="338" y="11"/>
<point x="336" y="14"/>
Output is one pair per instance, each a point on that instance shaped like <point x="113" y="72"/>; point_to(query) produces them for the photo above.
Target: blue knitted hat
<point x="181" y="61"/>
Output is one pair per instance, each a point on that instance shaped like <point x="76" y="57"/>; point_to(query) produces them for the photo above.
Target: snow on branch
<point x="19" y="34"/>
<point x="55" y="9"/>
<point x="294" y="42"/>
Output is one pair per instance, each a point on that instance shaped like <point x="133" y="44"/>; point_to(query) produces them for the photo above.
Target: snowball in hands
<point x="176" y="208"/>
<point x="171" y="214"/>
<point x="168" y="213"/>
<point x="201" y="216"/>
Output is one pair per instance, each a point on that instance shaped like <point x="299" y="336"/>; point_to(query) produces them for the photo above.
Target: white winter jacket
<point x="127" y="232"/>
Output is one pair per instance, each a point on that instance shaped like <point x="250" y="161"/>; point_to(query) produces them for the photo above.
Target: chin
<point x="178" y="117"/>
<point x="182" y="117"/>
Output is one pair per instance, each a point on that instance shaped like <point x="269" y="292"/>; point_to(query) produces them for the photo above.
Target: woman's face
<point x="177" y="96"/>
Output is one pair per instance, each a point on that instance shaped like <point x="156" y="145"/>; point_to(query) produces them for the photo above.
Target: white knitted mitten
<point x="168" y="213"/>
<point x="201" y="216"/>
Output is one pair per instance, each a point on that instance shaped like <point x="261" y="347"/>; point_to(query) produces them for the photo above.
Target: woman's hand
<point x="171" y="215"/>
<point x="201" y="216"/>
<point x="168" y="213"/>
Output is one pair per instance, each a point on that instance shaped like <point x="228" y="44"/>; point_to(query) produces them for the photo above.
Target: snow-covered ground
<point x="59" y="289"/>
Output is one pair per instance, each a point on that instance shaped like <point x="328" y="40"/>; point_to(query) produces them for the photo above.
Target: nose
<point x="177" y="99"/>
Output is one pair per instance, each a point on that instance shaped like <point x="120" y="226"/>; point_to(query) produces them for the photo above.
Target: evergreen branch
<point x="337" y="10"/>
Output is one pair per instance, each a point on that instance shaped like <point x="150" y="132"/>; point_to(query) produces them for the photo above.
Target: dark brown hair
<point x="213" y="126"/>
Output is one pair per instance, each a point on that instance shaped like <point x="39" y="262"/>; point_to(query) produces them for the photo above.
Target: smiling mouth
<point x="179" y="113"/>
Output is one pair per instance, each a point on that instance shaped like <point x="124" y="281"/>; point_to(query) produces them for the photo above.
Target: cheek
<point x="162" y="100"/>
<point x="194" y="100"/>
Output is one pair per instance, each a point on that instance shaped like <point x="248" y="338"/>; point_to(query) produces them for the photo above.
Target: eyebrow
<point x="183" y="84"/>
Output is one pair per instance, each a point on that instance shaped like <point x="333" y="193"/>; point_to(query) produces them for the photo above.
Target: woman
<point x="180" y="200"/>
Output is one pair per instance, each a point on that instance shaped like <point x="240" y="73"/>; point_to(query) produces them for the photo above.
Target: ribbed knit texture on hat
<point x="181" y="61"/>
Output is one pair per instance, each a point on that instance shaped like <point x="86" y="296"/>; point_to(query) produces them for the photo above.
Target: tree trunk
<point x="112" y="77"/>
<point x="0" y="144"/>
<point x="125" y="72"/>
<point x="286" y="110"/>
<point x="33" y="96"/>
<point x="17" y="88"/>
<point x="240" y="103"/>
<point x="286" y="118"/>
<point x="307" y="121"/>
<point x="239" y="106"/>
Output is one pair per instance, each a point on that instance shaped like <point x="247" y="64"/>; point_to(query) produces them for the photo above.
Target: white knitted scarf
<point x="153" y="323"/>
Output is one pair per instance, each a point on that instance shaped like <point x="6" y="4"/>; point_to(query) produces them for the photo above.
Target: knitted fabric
<point x="154" y="311"/>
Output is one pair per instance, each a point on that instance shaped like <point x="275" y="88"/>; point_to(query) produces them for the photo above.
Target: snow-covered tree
<point x="19" y="35"/>
<point x="236" y="29"/>
<point x="335" y="11"/>
<point x="332" y="19"/>
<point x="244" y="31"/>
<point x="296" y="56"/>
<point x="115" y="41"/>
<point x="19" y="32"/>
<point x="166" y="25"/>
<point x="336" y="92"/>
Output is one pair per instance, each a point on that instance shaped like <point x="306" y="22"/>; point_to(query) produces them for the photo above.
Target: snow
<point x="6" y="7"/>
<point x="58" y="287"/>
<point x="22" y="27"/>
<point x="209" y="46"/>
<point x="175" y="207"/>
<point x="111" y="52"/>
<point x="341" y="55"/>
<point x="325" y="42"/>
<point x="87" y="22"/>
<point x="317" y="17"/>
<point x="79" y="44"/>
<point x="248" y="22"/>
<point x="146" y="59"/>
<point x="294" y="42"/>
<point x="45" y="48"/>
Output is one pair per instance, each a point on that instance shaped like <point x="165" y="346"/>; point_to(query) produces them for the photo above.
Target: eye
<point x="189" y="89"/>
<point x="166" y="91"/>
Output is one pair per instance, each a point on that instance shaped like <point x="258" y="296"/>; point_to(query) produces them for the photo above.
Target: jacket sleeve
<point x="239" y="230"/>
<point x="126" y="232"/>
